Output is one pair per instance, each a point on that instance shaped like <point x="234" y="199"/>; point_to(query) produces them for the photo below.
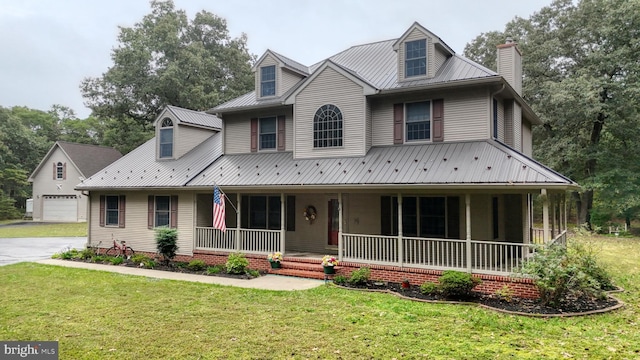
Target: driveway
<point x="13" y="250"/>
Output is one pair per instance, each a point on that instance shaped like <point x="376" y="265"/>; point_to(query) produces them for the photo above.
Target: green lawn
<point x="99" y="315"/>
<point x="43" y="230"/>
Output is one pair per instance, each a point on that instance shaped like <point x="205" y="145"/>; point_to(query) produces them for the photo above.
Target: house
<point x="64" y="165"/>
<point x="400" y="155"/>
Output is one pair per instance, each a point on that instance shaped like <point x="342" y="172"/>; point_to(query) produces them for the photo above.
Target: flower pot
<point x="329" y="270"/>
<point x="275" y="264"/>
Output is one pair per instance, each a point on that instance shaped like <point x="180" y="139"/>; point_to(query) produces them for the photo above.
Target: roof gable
<point x="87" y="159"/>
<point x="436" y="39"/>
<point x="283" y="62"/>
<point x="191" y="118"/>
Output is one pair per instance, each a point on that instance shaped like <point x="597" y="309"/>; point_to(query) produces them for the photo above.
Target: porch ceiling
<point x="466" y="164"/>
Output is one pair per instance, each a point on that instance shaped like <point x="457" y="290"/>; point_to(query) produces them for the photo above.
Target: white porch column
<point x="467" y="201"/>
<point x="340" y="217"/>
<point x="554" y="215"/>
<point x="282" y="225"/>
<point x="238" y="232"/>
<point x="545" y="215"/>
<point x="400" y="249"/>
<point x="565" y="211"/>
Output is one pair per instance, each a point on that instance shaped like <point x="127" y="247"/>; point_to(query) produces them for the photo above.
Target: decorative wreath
<point x="310" y="213"/>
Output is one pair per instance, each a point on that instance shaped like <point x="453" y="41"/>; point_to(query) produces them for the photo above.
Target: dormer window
<point x="166" y="138"/>
<point x="268" y="80"/>
<point x="415" y="58"/>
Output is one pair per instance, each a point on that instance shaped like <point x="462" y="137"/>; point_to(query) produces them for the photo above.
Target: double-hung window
<point x="415" y="63"/>
<point x="163" y="211"/>
<point x="112" y="210"/>
<point x="418" y="121"/>
<point x="268" y="80"/>
<point x="268" y="133"/>
<point x="166" y="138"/>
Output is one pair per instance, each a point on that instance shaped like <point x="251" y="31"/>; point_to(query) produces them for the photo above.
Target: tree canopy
<point x="167" y="59"/>
<point x="581" y="76"/>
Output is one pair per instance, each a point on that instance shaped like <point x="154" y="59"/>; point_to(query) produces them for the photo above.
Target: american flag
<point x="218" y="210"/>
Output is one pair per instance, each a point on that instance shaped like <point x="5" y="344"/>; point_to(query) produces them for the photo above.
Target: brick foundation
<point x="520" y="287"/>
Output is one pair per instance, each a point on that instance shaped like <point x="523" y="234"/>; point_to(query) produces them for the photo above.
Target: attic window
<point x="415" y="63"/>
<point x="268" y="80"/>
<point x="59" y="171"/>
<point x="166" y="138"/>
<point x="327" y="127"/>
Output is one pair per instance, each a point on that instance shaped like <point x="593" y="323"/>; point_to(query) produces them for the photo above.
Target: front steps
<point x="304" y="268"/>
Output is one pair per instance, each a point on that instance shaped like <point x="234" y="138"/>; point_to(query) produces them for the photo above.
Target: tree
<point x="168" y="60"/>
<point x="582" y="79"/>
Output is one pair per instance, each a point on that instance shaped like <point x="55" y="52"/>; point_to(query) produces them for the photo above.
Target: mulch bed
<point x="175" y="266"/>
<point x="517" y="306"/>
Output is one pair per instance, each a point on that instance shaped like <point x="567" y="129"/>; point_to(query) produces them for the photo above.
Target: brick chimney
<point x="510" y="64"/>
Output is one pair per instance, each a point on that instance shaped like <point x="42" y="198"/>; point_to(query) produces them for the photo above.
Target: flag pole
<point x="225" y="196"/>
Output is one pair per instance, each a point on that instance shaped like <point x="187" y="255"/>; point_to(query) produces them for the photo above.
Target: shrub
<point x="116" y="260"/>
<point x="564" y="273"/>
<point x="196" y="265"/>
<point x="166" y="240"/>
<point x="505" y="293"/>
<point x="360" y="276"/>
<point x="236" y="263"/>
<point x="457" y="284"/>
<point x="148" y="263"/>
<point x="253" y="273"/>
<point x="214" y="269"/>
<point x="139" y="258"/>
<point x="429" y="288"/>
<point x="68" y="255"/>
<point x="340" y="279"/>
<point x="87" y="253"/>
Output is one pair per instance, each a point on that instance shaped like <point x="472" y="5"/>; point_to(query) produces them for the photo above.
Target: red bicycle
<point x="121" y="249"/>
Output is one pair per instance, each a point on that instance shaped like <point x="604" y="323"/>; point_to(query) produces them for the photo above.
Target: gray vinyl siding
<point x="330" y="87"/>
<point x="500" y="120"/>
<point x="268" y="61"/>
<point x="527" y="139"/>
<point x="135" y="232"/>
<point x="439" y="59"/>
<point x="465" y="116"/>
<point x="187" y="137"/>
<point x="289" y="80"/>
<point x="510" y="67"/>
<point x="517" y="126"/>
<point x="368" y="126"/>
<point x="431" y="68"/>
<point x="237" y="130"/>
<point x="508" y="123"/>
<point x="237" y="134"/>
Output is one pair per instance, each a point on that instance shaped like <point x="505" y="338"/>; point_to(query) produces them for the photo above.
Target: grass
<point x="44" y="230"/>
<point x="100" y="315"/>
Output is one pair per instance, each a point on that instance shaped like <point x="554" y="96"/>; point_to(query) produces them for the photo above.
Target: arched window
<point x="59" y="171"/>
<point x="166" y="138"/>
<point x="327" y="127"/>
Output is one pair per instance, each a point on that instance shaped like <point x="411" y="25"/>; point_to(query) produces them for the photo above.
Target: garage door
<point x="60" y="208"/>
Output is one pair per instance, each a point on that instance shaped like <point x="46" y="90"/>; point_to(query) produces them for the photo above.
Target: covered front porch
<point x="483" y="232"/>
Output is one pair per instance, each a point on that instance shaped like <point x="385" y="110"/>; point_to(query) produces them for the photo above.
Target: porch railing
<point x="253" y="241"/>
<point x="441" y="254"/>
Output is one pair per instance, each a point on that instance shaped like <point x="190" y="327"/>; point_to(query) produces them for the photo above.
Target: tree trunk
<point x="584" y="205"/>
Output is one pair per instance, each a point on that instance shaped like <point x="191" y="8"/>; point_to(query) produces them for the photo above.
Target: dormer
<point x="420" y="54"/>
<point x="276" y="74"/>
<point x="180" y="130"/>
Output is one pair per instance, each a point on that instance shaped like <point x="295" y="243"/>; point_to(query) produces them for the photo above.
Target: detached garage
<point x="63" y="208"/>
<point x="54" y="180"/>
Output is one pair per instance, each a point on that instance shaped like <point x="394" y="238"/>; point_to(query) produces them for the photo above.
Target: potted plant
<point x="274" y="259"/>
<point x="329" y="262"/>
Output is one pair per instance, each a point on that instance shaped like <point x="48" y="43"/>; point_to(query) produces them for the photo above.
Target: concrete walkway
<point x="268" y="282"/>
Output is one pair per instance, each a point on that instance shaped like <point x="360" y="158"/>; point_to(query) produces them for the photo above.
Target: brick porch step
<point x="301" y="266"/>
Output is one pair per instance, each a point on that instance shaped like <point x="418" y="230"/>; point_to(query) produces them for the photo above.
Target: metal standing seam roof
<point x="291" y="63"/>
<point x="199" y="118"/>
<point x="375" y="64"/>
<point x="460" y="163"/>
<point x="140" y="169"/>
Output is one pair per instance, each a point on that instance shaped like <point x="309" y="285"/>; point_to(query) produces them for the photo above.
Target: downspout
<point x="88" y="195"/>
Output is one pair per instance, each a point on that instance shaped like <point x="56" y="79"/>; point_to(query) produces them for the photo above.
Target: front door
<point x="333" y="222"/>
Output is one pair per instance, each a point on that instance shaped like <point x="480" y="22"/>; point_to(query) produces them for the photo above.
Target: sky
<point x="49" y="47"/>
